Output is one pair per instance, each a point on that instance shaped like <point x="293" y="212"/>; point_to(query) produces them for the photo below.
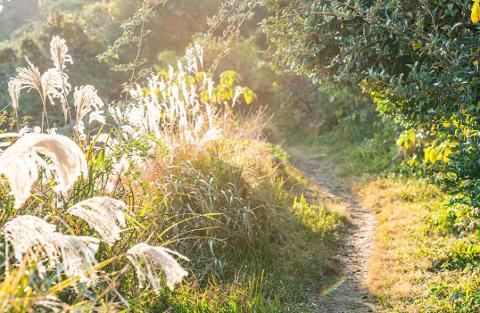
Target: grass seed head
<point x="19" y="163"/>
<point x="148" y="259"/>
<point x="106" y="215"/>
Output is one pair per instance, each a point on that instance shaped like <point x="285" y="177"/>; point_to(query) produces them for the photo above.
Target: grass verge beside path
<point x="427" y="254"/>
<point x="274" y="233"/>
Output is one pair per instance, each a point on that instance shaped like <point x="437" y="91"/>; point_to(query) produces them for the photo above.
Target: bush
<point x="418" y="62"/>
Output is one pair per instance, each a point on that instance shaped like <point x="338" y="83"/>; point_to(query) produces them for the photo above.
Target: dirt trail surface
<point x="348" y="294"/>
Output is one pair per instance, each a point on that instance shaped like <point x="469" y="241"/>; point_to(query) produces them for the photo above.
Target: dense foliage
<point x="419" y="61"/>
<point x="422" y="57"/>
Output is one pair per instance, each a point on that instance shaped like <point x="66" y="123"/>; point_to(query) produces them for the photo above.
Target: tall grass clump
<point x="56" y="257"/>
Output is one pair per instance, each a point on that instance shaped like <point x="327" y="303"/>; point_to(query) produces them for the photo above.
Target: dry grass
<point x="398" y="269"/>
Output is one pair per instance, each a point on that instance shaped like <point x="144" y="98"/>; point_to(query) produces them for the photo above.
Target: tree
<point x="421" y="56"/>
<point x="419" y="60"/>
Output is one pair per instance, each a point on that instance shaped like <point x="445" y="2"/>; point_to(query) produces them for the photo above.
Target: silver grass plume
<point x="148" y="259"/>
<point x="25" y="230"/>
<point x="29" y="77"/>
<point x="60" y="58"/>
<point x="77" y="253"/>
<point x="71" y="254"/>
<point x="59" y="53"/>
<point x="200" y="53"/>
<point x="87" y="101"/>
<point x="19" y="163"/>
<point x="55" y="86"/>
<point x="210" y="134"/>
<point x="106" y="215"/>
<point x="52" y="84"/>
<point x="48" y="84"/>
<point x="14" y="87"/>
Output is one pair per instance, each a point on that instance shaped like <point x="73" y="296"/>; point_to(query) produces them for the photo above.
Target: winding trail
<point x="348" y="294"/>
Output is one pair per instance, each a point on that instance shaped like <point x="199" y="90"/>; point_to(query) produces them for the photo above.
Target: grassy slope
<point x="426" y="256"/>
<point x="263" y="262"/>
<point x="230" y="208"/>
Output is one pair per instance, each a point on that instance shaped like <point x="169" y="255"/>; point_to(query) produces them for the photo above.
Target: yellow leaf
<point x="413" y="162"/>
<point x="229" y="78"/>
<point x="412" y="136"/>
<point x="248" y="95"/>
<point x="475" y="11"/>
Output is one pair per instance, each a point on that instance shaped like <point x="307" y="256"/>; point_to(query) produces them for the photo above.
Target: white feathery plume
<point x="74" y="254"/>
<point x="194" y="55"/>
<point x="106" y="215"/>
<point x="181" y="72"/>
<point x="19" y="163"/>
<point x="29" y="77"/>
<point x="154" y="258"/>
<point x="200" y="53"/>
<point x="47" y="85"/>
<point x="55" y="86"/>
<point x="59" y="53"/>
<point x="24" y="231"/>
<point x="171" y="74"/>
<point x="238" y="93"/>
<point x="210" y="85"/>
<point x="21" y="173"/>
<point x="77" y="254"/>
<point x="60" y="58"/>
<point x="14" y="87"/>
<point x="52" y="83"/>
<point x="86" y="100"/>
<point x="98" y="116"/>
<point x="210" y="114"/>
<point x="211" y="134"/>
<point x="191" y="61"/>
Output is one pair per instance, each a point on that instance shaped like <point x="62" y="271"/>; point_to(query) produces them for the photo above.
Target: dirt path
<point x="348" y="294"/>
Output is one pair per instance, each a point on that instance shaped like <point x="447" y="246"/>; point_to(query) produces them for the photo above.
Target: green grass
<point x="355" y="149"/>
